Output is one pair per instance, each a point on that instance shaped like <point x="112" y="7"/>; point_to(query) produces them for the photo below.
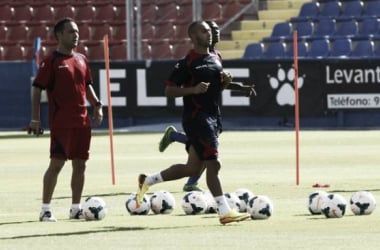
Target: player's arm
<point x="96" y="103"/>
<point x="175" y="91"/>
<point x="35" y="122"/>
<point x="238" y="86"/>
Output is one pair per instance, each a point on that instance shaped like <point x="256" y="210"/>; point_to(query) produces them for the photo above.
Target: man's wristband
<point x="99" y="104"/>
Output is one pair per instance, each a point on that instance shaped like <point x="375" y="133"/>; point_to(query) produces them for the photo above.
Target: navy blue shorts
<point x="202" y="133"/>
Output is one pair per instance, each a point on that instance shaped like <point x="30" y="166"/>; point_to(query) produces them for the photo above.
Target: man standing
<point x="198" y="78"/>
<point x="66" y="76"/>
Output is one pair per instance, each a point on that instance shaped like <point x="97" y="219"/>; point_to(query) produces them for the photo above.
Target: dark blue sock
<point x="192" y="180"/>
<point x="178" y="137"/>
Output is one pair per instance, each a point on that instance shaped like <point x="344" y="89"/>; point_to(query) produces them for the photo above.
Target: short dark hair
<point x="192" y="27"/>
<point x="60" y="25"/>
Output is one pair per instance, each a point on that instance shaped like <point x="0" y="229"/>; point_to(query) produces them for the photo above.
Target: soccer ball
<point x="244" y="195"/>
<point x="362" y="203"/>
<point x="212" y="208"/>
<point x="194" y="203"/>
<point x="162" y="202"/>
<point x="132" y="208"/>
<point x="315" y="201"/>
<point x="233" y="201"/>
<point x="333" y="206"/>
<point x="94" y="208"/>
<point x="260" y="207"/>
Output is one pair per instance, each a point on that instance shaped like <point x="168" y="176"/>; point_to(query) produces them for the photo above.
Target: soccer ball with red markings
<point x="132" y="207"/>
<point x="333" y="206"/>
<point x="94" y="208"/>
<point x="194" y="203"/>
<point x="315" y="201"/>
<point x="362" y="203"/>
<point x="162" y="202"/>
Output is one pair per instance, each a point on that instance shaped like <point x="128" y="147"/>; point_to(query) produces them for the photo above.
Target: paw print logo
<point x="283" y="83"/>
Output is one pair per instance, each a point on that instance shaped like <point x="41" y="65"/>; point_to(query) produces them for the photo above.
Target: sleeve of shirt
<point x="180" y="75"/>
<point x="45" y="74"/>
<point x="89" y="80"/>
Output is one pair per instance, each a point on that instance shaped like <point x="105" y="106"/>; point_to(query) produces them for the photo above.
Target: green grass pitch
<point x="263" y="162"/>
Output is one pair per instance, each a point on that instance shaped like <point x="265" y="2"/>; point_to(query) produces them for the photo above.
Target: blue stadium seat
<point x="319" y="48"/>
<point x="347" y="28"/>
<point x="372" y="8"/>
<point x="279" y="32"/>
<point x="376" y="52"/>
<point x="351" y="9"/>
<point x="254" y="50"/>
<point x="324" y="28"/>
<point x="301" y="51"/>
<point x="330" y="9"/>
<point x="304" y="30"/>
<point x="369" y="28"/>
<point x="308" y="11"/>
<point x="275" y="50"/>
<point x="341" y="48"/>
<point x="364" y="48"/>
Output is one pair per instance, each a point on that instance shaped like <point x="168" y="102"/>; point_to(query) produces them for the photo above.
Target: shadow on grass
<point x="16" y="222"/>
<point x="102" y="230"/>
<point x="352" y="191"/>
<point x="104" y="195"/>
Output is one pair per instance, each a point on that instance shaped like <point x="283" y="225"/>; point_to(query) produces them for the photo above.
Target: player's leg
<point x="174" y="172"/>
<point x="192" y="184"/>
<point x="57" y="161"/>
<point x="171" y="135"/>
<point x="226" y="214"/>
<point x="79" y="153"/>
<point x="49" y="183"/>
<point x="77" y="184"/>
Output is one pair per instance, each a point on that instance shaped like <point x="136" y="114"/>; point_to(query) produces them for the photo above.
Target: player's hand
<point x="35" y="128"/>
<point x="201" y="88"/>
<point x="98" y="115"/>
<point x="249" y="90"/>
<point x="226" y="78"/>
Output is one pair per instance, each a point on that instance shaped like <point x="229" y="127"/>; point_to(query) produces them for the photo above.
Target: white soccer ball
<point x="162" y="202"/>
<point x="132" y="208"/>
<point x="233" y="201"/>
<point x="212" y="208"/>
<point x="94" y="208"/>
<point x="315" y="201"/>
<point x="194" y="203"/>
<point x="260" y="207"/>
<point x="244" y="195"/>
<point x="333" y="206"/>
<point x="362" y="203"/>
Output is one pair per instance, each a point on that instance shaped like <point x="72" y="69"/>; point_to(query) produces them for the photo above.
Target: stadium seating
<point x="319" y="48"/>
<point x="324" y="28"/>
<point x="275" y="50"/>
<point x="330" y="9"/>
<point x="351" y="9"/>
<point x="13" y="53"/>
<point x="346" y="28"/>
<point x="254" y="50"/>
<point x="372" y="8"/>
<point x="364" y="48"/>
<point x="308" y="11"/>
<point x="280" y="31"/>
<point x="23" y="20"/>
<point x="341" y="48"/>
<point x="118" y="51"/>
<point x="369" y="28"/>
<point x="42" y="12"/>
<point x="302" y="50"/>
